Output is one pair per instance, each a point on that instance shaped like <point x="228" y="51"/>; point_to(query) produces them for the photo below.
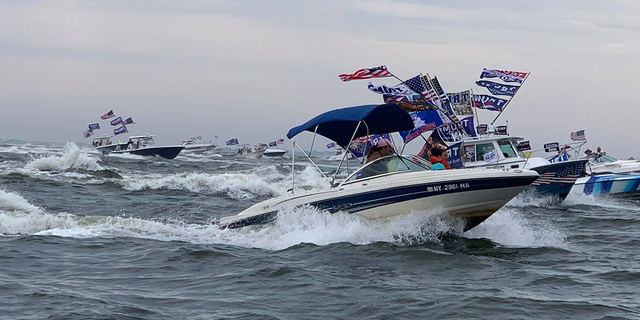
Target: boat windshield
<point x="602" y="159"/>
<point x="388" y="164"/>
<point x="507" y="149"/>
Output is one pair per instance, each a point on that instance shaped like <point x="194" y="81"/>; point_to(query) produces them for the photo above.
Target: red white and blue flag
<point x="506" y="76"/>
<point x="367" y="73"/>
<point x="273" y="143"/>
<point x="117" y="121"/>
<point x="280" y="141"/>
<point x="129" y="121"/>
<point x="498" y="89"/>
<point x="487" y="102"/>
<point x="108" y="115"/>
<point x="88" y="133"/>
<point x="120" y="130"/>
<point x="578" y="136"/>
<point x="568" y="174"/>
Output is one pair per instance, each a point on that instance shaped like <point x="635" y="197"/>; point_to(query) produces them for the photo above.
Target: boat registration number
<point x="447" y="187"/>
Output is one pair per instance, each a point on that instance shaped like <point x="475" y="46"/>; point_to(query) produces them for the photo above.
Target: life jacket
<point x="435" y="160"/>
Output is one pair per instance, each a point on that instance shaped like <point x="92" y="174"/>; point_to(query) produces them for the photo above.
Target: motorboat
<point x="104" y="144"/>
<point x="339" y="155"/>
<point x="610" y="176"/>
<point x="143" y="146"/>
<point x="191" y="146"/>
<point x="391" y="185"/>
<point x="556" y="179"/>
<point x="252" y="152"/>
<point x="274" y="153"/>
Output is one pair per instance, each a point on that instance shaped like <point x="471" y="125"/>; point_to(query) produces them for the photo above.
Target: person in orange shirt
<point x="439" y="156"/>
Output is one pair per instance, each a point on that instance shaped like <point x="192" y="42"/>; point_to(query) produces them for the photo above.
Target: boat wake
<point x="72" y="158"/>
<point x="293" y="227"/>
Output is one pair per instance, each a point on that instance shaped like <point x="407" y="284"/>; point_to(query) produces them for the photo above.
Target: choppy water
<point x="126" y="237"/>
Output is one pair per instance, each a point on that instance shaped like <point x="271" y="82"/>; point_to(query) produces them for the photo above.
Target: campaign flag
<point x="273" y="144"/>
<point x="563" y="156"/>
<point x="497" y="88"/>
<point x="469" y="128"/>
<point x="94" y="126"/>
<point x="524" y="145"/>
<point x="232" y="142"/>
<point x="423" y="121"/>
<point x="331" y="145"/>
<point x="487" y="102"/>
<point x="578" y="136"/>
<point x="129" y="121"/>
<point x="491" y="157"/>
<point x="397" y="92"/>
<point x="461" y="103"/>
<point x="483" y="129"/>
<point x="120" y="130"/>
<point x="506" y="76"/>
<point x="359" y="146"/>
<point x="551" y="147"/>
<point x="108" y="115"/>
<point x="280" y="141"/>
<point x="434" y="141"/>
<point x="454" y="154"/>
<point x="117" y="121"/>
<point x="215" y="136"/>
<point x="88" y="133"/>
<point x="501" y="130"/>
<point x="367" y="73"/>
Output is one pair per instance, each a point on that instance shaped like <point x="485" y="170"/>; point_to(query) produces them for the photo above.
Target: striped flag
<point x="578" y="136"/>
<point x="108" y="115"/>
<point x="367" y="73"/>
<point x="280" y="141"/>
<point x="568" y="174"/>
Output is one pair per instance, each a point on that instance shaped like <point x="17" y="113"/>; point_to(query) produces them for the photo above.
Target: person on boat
<point x="588" y="152"/>
<point x="439" y="156"/>
<point x="599" y="153"/>
<point x="381" y="149"/>
<point x="130" y="144"/>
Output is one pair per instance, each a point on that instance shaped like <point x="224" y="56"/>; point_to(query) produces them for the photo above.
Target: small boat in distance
<point x="274" y="153"/>
<point x="143" y="146"/>
<point x="191" y="146"/>
<point x="249" y="152"/>
<point x="104" y="144"/>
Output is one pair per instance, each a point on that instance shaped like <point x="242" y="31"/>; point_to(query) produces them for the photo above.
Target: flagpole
<point x="459" y="125"/>
<point x="475" y="110"/>
<point x="514" y="95"/>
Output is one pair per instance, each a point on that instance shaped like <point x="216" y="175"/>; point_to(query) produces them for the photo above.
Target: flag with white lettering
<point x="331" y="145"/>
<point x="423" y="121"/>
<point x="497" y="88"/>
<point x="117" y="121"/>
<point x="551" y="147"/>
<point x="94" y="126"/>
<point x="120" y="130"/>
<point x="367" y="73"/>
<point x="232" y="142"/>
<point x="397" y="92"/>
<point x="506" y="76"/>
<point x="273" y="144"/>
<point x="524" y="145"/>
<point x="487" y="102"/>
<point x="491" y="157"/>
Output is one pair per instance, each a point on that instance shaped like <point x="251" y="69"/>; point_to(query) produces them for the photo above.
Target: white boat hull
<point x="613" y="184"/>
<point x="473" y="195"/>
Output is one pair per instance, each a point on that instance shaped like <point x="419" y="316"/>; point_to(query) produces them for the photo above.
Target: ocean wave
<point x="71" y="158"/>
<point x="11" y="201"/>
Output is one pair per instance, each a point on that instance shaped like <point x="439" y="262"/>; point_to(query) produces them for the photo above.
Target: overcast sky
<point x="254" y="69"/>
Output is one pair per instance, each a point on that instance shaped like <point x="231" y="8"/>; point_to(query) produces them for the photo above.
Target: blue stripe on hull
<point x="360" y="202"/>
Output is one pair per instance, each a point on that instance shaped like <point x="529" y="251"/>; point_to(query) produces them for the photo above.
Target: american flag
<point x="108" y="115"/>
<point x="367" y="73"/>
<point x="417" y="85"/>
<point x="280" y="141"/>
<point x="578" y="136"/>
<point x="567" y="174"/>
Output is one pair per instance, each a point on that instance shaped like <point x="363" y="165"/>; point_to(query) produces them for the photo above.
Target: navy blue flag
<point x="524" y="145"/>
<point x="506" y="76"/>
<point x="455" y="156"/>
<point x="129" y="121"/>
<point x="487" y="102"/>
<point x="120" y="130"/>
<point x="423" y="121"/>
<point x="498" y="89"/>
<point x="117" y="121"/>
<point x="451" y="132"/>
<point x="446" y="104"/>
<point x="331" y="145"/>
<point x="416" y="85"/>
<point x="94" y="126"/>
<point x="551" y="147"/>
<point x="273" y="144"/>
<point x="232" y="142"/>
<point x="501" y="130"/>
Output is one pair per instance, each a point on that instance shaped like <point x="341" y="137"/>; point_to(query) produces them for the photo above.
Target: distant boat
<point x="104" y="144"/>
<point x="191" y="146"/>
<point x="274" y="153"/>
<point x="249" y="152"/>
<point x="143" y="146"/>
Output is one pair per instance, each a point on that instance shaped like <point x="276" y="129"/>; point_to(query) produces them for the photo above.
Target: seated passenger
<point x="438" y="166"/>
<point x="382" y="149"/>
<point x="439" y="156"/>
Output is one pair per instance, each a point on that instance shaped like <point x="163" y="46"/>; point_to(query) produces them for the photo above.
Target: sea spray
<point x="72" y="158"/>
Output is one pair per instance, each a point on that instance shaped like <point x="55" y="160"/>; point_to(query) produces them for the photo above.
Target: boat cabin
<point x="473" y="151"/>
<point x="101" y="141"/>
<point x="137" y="142"/>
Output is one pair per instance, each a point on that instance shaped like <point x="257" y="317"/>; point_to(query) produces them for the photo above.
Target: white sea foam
<point x="601" y="201"/>
<point x="71" y="158"/>
<point x="11" y="201"/>
<point x="509" y="226"/>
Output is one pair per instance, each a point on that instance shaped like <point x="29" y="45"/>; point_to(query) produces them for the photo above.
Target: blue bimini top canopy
<point x="339" y="125"/>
